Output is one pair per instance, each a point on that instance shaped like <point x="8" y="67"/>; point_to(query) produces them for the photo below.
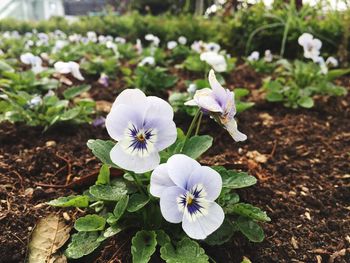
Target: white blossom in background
<point x="102" y="39"/>
<point x="59" y="44"/>
<point x="70" y="67"/>
<point x="113" y="46"/>
<point x="268" y="56"/>
<point x="215" y="60"/>
<point x="214" y="47"/>
<point x="171" y="45"/>
<point x="143" y="127"/>
<point x="153" y="39"/>
<point x="198" y="46"/>
<point x="91" y="36"/>
<point x="120" y="40"/>
<point x="332" y="62"/>
<point x="192" y="88"/>
<point x="34" y="61"/>
<point x="254" y="56"/>
<point x="138" y="47"/>
<point x="310" y="45"/>
<point x="182" y="40"/>
<point x="74" y="38"/>
<point x="28" y="44"/>
<point x="150" y="61"/>
<point x="35" y="101"/>
<point x="323" y="66"/>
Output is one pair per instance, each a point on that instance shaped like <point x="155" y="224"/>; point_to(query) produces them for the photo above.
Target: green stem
<point x="190" y="129"/>
<point x="138" y="183"/>
<point x="199" y="123"/>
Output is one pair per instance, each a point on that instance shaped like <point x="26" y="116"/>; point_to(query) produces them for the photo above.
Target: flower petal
<point x="119" y="118"/>
<point x="62" y="67"/>
<point x="169" y="206"/>
<point x="204" y="225"/>
<point x="180" y="167"/>
<point x="160" y="180"/>
<point x="159" y="108"/>
<point x="231" y="127"/>
<point x="165" y="130"/>
<point x="133" y="162"/>
<point x="205" y="99"/>
<point x="132" y="97"/>
<point x="209" y="178"/>
<point x="75" y="70"/>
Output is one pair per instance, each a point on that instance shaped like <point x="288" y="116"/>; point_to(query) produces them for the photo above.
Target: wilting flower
<point x="311" y="46"/>
<point x="254" y="56"/>
<point x="143" y="126"/>
<point x="147" y="61"/>
<point x="171" y="44"/>
<point x="187" y="192"/>
<point x="220" y="104"/>
<point x="34" y="61"/>
<point x="103" y="80"/>
<point x="215" y="60"/>
<point x="332" y="62"/>
<point x="182" y="40"/>
<point x="69" y="67"/>
<point x="152" y="38"/>
<point x="268" y="56"/>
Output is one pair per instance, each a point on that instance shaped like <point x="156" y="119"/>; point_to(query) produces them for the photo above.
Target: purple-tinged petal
<point x="180" y="167"/>
<point x="203" y="226"/>
<point x="231" y="127"/>
<point x="209" y="179"/>
<point x="169" y="204"/>
<point x="165" y="130"/>
<point x="160" y="180"/>
<point x="206" y="100"/>
<point x="133" y="162"/>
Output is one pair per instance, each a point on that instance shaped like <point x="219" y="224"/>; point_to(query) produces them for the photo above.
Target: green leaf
<point x="162" y="237"/>
<point x="250" y="229"/>
<point x="104" y="175"/>
<point x="101" y="150"/>
<point x="73" y="200"/>
<point x="120" y="207"/>
<point x="82" y="243"/>
<point x="222" y="235"/>
<point x="5" y="67"/>
<point x="108" y="192"/>
<point x="274" y="96"/>
<point x="197" y="145"/>
<point x="143" y="245"/>
<point x="306" y="102"/>
<point x="234" y="180"/>
<point x="137" y="201"/>
<point x="90" y="223"/>
<point x="75" y="91"/>
<point x="249" y="210"/>
<point x="111" y="231"/>
<point x="240" y="92"/>
<point x="336" y="73"/>
<point x="186" y="251"/>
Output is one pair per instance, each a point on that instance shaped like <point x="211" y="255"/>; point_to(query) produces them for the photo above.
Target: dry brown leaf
<point x="48" y="236"/>
<point x="103" y="106"/>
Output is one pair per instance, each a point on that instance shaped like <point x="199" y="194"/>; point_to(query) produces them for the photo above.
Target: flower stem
<point x="190" y="129"/>
<point x="138" y="183"/>
<point x="199" y="123"/>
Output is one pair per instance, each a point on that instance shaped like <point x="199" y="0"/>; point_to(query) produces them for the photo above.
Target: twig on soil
<point x="273" y="149"/>
<point x="116" y="253"/>
<point x="69" y="167"/>
<point x="20" y="240"/>
<point x="20" y="178"/>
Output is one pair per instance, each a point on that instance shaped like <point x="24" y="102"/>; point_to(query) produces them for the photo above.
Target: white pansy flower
<point x="215" y="60"/>
<point x="69" y="67"/>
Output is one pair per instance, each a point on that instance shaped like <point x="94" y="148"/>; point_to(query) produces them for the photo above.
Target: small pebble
<point x="66" y="216"/>
<point x="50" y="144"/>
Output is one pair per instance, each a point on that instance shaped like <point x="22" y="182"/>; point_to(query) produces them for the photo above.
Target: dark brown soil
<point x="300" y="158"/>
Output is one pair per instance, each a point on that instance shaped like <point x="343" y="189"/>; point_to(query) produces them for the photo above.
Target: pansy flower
<point x="143" y="126"/>
<point x="171" y="45"/>
<point x="69" y="67"/>
<point x="187" y="193"/>
<point x="220" y="104"/>
<point x="215" y="60"/>
<point x="34" y="61"/>
<point x="254" y="56"/>
<point x="311" y="46"/>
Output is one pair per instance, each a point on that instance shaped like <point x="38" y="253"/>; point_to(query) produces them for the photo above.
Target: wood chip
<point x="294" y="243"/>
<point x="257" y="157"/>
<point x="319" y="259"/>
<point x="307" y="215"/>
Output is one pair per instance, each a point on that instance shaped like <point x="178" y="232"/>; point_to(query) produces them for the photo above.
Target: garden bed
<point x="300" y="158"/>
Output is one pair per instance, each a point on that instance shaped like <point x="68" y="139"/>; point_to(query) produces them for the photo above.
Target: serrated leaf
<point x="101" y="150"/>
<point x="49" y="235"/>
<point x="234" y="180"/>
<point x="120" y="207"/>
<point x="82" y="243"/>
<point x="73" y="200"/>
<point x="222" y="235"/>
<point x="75" y="91"/>
<point x="197" y="145"/>
<point x="90" y="223"/>
<point x="250" y="229"/>
<point x="108" y="192"/>
<point x="137" y="201"/>
<point x="187" y="250"/>
<point x="104" y="175"/>
<point x="249" y="210"/>
<point x="143" y="245"/>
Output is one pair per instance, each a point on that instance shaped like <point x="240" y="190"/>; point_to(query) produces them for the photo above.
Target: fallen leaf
<point x="103" y="106"/>
<point x="48" y="236"/>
